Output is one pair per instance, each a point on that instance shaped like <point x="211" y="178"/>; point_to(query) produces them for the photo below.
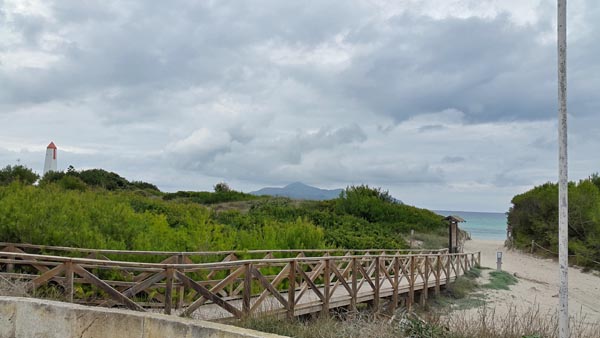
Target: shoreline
<point x="538" y="283"/>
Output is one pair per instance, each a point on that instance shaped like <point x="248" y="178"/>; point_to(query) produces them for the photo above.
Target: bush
<point x="534" y="216"/>
<point x="17" y="173"/>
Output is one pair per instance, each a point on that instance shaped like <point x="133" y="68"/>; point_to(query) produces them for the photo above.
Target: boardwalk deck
<point x="234" y="287"/>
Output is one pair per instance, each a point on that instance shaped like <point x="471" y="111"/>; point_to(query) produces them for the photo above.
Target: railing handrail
<point x="201" y="253"/>
<point x="39" y="259"/>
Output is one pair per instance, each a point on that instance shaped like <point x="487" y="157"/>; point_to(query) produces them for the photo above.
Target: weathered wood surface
<point x="236" y="287"/>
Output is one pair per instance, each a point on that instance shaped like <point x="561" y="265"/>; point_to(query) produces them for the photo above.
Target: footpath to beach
<point x="538" y="283"/>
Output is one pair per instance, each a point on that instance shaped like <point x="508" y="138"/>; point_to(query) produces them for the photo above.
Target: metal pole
<point x="563" y="205"/>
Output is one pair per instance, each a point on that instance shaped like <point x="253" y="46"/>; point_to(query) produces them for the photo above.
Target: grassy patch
<point x="500" y="280"/>
<point x="474" y="273"/>
<point x="461" y="287"/>
<point x="434" y="240"/>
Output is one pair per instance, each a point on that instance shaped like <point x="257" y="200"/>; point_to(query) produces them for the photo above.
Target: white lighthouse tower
<point x="50" y="163"/>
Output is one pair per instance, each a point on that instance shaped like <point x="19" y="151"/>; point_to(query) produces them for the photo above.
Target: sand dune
<point x="538" y="283"/>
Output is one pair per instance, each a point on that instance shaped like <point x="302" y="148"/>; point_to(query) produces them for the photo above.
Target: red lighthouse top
<point x="53" y="147"/>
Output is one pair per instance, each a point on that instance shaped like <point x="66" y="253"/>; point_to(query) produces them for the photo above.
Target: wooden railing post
<point x="291" y="290"/>
<point x="354" y="285"/>
<point x="425" y="282"/>
<point x="180" y="289"/>
<point x="69" y="281"/>
<point x="247" y="293"/>
<point x="396" y="285"/>
<point x="169" y="290"/>
<point x="326" y="286"/>
<point x="479" y="258"/>
<point x="411" y="285"/>
<point x="10" y="267"/>
<point x="438" y="266"/>
<point x="377" y="284"/>
<point x="448" y="266"/>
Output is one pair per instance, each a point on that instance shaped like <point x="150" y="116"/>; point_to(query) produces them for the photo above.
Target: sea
<point x="481" y="225"/>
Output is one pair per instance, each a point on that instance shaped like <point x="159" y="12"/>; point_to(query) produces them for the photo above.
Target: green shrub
<point x="500" y="280"/>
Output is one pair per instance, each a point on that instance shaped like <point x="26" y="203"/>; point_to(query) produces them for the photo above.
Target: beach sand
<point x="538" y="283"/>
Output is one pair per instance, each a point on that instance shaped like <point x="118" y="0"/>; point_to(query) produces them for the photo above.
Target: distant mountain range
<point x="300" y="191"/>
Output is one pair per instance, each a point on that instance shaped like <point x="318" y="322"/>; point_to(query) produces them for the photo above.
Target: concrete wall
<point x="32" y="318"/>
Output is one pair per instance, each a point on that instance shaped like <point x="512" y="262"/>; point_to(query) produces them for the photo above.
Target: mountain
<point x="300" y="191"/>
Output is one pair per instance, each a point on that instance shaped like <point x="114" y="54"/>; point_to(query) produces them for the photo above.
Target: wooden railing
<point x="237" y="288"/>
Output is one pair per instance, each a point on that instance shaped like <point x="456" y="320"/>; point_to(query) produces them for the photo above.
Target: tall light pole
<point x="563" y="192"/>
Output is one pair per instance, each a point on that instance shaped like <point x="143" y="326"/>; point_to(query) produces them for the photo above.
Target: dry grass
<point x="13" y="287"/>
<point x="356" y="326"/>
<point x="529" y="323"/>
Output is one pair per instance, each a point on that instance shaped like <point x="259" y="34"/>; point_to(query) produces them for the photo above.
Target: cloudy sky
<point x="447" y="104"/>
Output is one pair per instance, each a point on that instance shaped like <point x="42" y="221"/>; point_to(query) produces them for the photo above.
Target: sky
<point x="447" y="104"/>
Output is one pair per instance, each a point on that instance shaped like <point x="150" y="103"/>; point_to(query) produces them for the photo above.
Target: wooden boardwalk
<point x="225" y="284"/>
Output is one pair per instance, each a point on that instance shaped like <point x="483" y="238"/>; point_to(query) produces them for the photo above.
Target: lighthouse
<point x="50" y="163"/>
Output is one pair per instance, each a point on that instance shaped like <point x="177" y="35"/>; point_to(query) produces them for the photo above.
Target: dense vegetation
<point x="94" y="178"/>
<point x="534" y="216"/>
<point x="99" y="209"/>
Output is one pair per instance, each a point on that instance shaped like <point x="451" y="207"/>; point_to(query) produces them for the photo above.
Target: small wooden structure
<point x="453" y="233"/>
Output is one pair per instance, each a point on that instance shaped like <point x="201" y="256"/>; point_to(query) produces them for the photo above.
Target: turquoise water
<point x="481" y="225"/>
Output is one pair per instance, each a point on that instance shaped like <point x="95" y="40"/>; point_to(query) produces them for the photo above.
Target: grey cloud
<point x="324" y="138"/>
<point x="453" y="159"/>
<point x="490" y="69"/>
<point x="432" y="127"/>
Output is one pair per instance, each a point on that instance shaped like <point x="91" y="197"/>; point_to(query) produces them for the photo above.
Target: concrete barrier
<point x="29" y="317"/>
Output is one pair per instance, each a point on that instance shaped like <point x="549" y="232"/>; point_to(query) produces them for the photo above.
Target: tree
<point x="222" y="187"/>
<point x="17" y="173"/>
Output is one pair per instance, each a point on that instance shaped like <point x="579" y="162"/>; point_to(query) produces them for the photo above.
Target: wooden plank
<point x="107" y="288"/>
<point x="344" y="273"/>
<point x="221" y="285"/>
<point x="438" y="266"/>
<point x="313" y="274"/>
<point x="311" y="284"/>
<point x="366" y="272"/>
<point x="265" y="283"/>
<point x="169" y="291"/>
<point x="366" y="276"/>
<point x="354" y="285"/>
<point x="188" y="282"/>
<point x="447" y="268"/>
<point x="12" y="248"/>
<point x="341" y="279"/>
<point x="377" y="285"/>
<point x="143" y="285"/>
<point x="144" y="275"/>
<point x="326" y="286"/>
<point x="291" y="290"/>
<point x="180" y="289"/>
<point x="395" y="284"/>
<point x="385" y="273"/>
<point x="280" y="277"/>
<point x="69" y="281"/>
<point x="425" y="282"/>
<point x="229" y="258"/>
<point x="46" y="276"/>
<point x="247" y="293"/>
<point x="411" y="285"/>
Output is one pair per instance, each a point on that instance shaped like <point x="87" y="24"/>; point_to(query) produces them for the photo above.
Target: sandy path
<point x="538" y="283"/>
